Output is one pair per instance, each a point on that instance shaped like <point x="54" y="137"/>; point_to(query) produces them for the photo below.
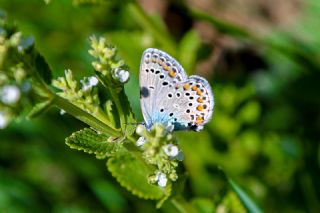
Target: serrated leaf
<point x="132" y="173"/>
<point x="244" y="198"/>
<point x="91" y="142"/>
<point x="43" y="69"/>
<point x="110" y="111"/>
<point x="39" y="109"/>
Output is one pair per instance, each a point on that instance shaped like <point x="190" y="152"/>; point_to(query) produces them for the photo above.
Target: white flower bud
<point x="140" y="129"/>
<point x="3" y="120"/>
<point x="141" y="141"/>
<point x="170" y="150"/>
<point x="93" y="81"/>
<point x="10" y="94"/>
<point x="162" y="179"/>
<point x="122" y="75"/>
<point x="89" y="82"/>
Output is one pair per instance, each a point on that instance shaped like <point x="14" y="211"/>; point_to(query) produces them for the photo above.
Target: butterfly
<point x="168" y="96"/>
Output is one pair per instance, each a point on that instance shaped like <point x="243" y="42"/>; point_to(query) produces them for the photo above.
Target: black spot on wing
<point x="144" y="92"/>
<point x="193" y="127"/>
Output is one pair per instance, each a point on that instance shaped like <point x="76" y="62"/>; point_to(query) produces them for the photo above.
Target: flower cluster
<point x="107" y="63"/>
<point x="160" y="149"/>
<point x="83" y="94"/>
<point x="101" y="95"/>
<point x="14" y="85"/>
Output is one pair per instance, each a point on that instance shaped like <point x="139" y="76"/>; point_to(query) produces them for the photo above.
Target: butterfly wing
<point x="168" y="96"/>
<point x="154" y="83"/>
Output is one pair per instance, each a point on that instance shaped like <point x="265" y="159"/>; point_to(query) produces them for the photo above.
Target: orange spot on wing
<point x="199" y="92"/>
<point x="166" y="68"/>
<point x="172" y="73"/>
<point x="199" y="120"/>
<point x="186" y="86"/>
<point x="194" y="88"/>
<point x="200" y="100"/>
<point x="200" y="107"/>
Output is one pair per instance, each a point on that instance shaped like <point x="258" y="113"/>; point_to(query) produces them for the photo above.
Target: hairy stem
<point x="84" y="116"/>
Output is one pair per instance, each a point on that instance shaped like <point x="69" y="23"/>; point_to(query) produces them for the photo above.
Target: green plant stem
<point x="158" y="31"/>
<point x="84" y="116"/>
<point x="182" y="205"/>
<point x="115" y="99"/>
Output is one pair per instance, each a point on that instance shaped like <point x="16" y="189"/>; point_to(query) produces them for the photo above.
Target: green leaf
<point x="189" y="44"/>
<point x="43" y="69"/>
<point x="91" y="142"/>
<point x="203" y="205"/>
<point x="132" y="173"/>
<point x="131" y="122"/>
<point x="244" y="198"/>
<point x="39" y="109"/>
<point x="109" y="195"/>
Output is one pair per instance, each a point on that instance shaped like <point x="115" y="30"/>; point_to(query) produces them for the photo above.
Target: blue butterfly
<point x="168" y="96"/>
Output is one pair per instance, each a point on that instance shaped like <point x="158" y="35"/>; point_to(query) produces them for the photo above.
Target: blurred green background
<point x="262" y="59"/>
